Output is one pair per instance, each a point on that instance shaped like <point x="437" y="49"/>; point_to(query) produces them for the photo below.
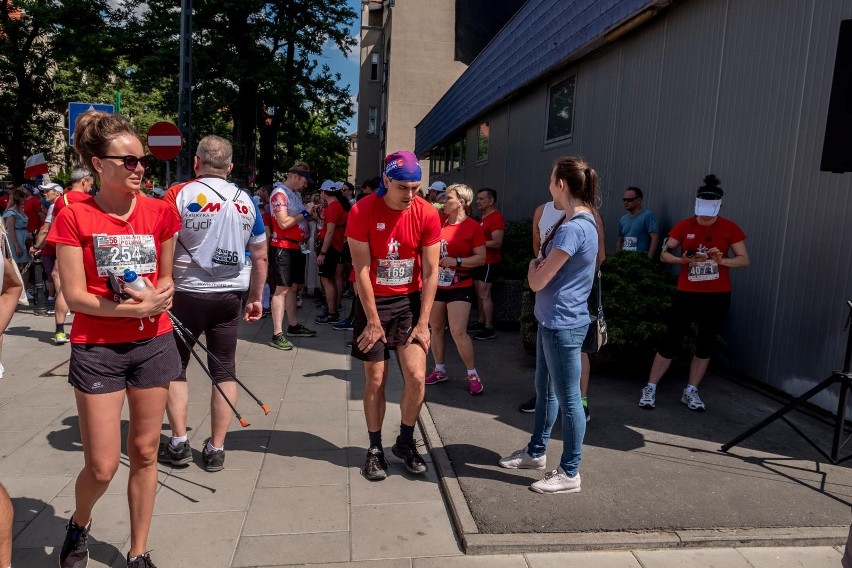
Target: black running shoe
<point x="528" y="406"/>
<point x="486" y="333"/>
<point x="141" y="561"/>
<point x="327" y="319"/>
<point x="213" y="460"/>
<point x="375" y="468"/>
<point x="174" y="455"/>
<point x="300" y="331"/>
<point x="75" y="549"/>
<point x="407" y="452"/>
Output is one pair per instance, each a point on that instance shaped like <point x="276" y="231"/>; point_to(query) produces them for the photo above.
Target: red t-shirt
<point x="334" y="213"/>
<point x="705" y="275"/>
<point x="492" y="222"/>
<point x="284" y="238"/>
<point x="111" y="244"/>
<point x="32" y="209"/>
<point x="459" y="241"/>
<point x="396" y="239"/>
<point x="58" y="205"/>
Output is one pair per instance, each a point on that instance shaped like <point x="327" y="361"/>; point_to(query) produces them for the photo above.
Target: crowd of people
<point x="145" y="277"/>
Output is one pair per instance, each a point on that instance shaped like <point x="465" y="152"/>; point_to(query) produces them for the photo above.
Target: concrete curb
<point x="475" y="543"/>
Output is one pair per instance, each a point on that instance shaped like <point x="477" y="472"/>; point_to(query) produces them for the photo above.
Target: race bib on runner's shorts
<point x="114" y="253"/>
<point x="394" y="272"/>
<point x="446" y="276"/>
<point x="704" y="270"/>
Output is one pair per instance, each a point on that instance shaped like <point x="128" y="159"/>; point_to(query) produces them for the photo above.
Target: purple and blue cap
<point x="400" y="166"/>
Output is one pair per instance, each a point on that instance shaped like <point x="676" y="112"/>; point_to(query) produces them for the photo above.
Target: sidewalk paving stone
<point x="787" y="557"/>
<point x="609" y="559"/>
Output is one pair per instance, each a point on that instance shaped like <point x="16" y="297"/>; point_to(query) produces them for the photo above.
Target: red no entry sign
<point x="164" y="140"/>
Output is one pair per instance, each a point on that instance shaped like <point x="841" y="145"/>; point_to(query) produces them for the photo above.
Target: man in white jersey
<point x="209" y="300"/>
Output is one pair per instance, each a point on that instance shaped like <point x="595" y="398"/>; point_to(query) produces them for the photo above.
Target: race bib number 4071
<point x="117" y="252"/>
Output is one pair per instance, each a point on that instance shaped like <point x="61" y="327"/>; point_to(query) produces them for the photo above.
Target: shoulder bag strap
<point x="543" y="248"/>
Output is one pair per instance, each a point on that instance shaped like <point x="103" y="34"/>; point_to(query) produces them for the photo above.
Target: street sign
<point x="76" y="109"/>
<point x="164" y="140"/>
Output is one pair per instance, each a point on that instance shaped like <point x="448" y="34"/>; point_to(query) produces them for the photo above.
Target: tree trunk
<point x="243" y="134"/>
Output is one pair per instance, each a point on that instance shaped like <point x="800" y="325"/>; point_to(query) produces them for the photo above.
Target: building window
<point x="560" y="110"/>
<point x="371" y="121"/>
<point x="374" y="67"/>
<point x="482" y="145"/>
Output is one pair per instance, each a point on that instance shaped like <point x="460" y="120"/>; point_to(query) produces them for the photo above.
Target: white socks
<point x="653" y="387"/>
<point x="471" y="372"/>
<point x="177" y="440"/>
<point x="212" y="448"/>
<point x="440" y="367"/>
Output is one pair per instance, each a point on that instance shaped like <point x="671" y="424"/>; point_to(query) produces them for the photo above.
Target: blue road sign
<point x="76" y="109"/>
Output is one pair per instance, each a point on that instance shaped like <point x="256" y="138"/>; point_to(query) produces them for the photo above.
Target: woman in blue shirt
<point x="562" y="278"/>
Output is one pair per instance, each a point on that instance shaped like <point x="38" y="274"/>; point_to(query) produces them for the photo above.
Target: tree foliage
<point x="34" y="36"/>
<point x="255" y="70"/>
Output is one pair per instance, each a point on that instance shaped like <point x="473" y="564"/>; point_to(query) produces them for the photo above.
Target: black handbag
<point x="596" y="336"/>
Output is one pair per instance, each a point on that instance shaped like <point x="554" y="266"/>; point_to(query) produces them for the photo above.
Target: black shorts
<point x="329" y="265"/>
<point x="707" y="310"/>
<point x="448" y="295"/>
<point x="217" y="315"/>
<point x="346" y="255"/>
<point x="398" y="315"/>
<point x="486" y="273"/>
<point x="112" y="367"/>
<point x="288" y="267"/>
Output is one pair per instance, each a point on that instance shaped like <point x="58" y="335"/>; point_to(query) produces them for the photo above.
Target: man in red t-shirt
<point x="331" y="246"/>
<point x="394" y="236"/>
<point x="287" y="257"/>
<point x="493" y="225"/>
<point x="82" y="181"/>
<point x="34" y="211"/>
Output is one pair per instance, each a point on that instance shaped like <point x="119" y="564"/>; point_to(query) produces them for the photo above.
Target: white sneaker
<point x="692" y="400"/>
<point x="2" y="370"/>
<point x="520" y="459"/>
<point x="649" y="398"/>
<point x="557" y="481"/>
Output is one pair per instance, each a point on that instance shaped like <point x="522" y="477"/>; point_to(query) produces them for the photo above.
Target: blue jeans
<point x="557" y="385"/>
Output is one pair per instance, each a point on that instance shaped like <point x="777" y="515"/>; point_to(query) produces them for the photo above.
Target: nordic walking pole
<point x="178" y="324"/>
<point x="180" y="333"/>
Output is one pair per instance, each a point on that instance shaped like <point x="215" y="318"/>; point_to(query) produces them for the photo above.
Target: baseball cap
<point x="330" y="186"/>
<point x="48" y="186"/>
<point x="438" y="186"/>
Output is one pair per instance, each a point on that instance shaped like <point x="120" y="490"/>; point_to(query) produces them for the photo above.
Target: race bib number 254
<point x="114" y="253"/>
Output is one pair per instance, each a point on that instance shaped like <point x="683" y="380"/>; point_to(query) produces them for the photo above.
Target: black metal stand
<point x="39" y="288"/>
<point x="843" y="377"/>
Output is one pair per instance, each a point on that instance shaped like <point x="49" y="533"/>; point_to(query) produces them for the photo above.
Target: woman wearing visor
<point x="710" y="246"/>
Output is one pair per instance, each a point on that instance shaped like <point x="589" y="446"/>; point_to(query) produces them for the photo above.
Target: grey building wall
<point x="737" y="88"/>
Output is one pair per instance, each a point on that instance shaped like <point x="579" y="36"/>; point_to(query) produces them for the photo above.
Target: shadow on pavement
<point x="642" y="469"/>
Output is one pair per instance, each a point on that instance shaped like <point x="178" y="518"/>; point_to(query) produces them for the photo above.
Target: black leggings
<point x="707" y="310"/>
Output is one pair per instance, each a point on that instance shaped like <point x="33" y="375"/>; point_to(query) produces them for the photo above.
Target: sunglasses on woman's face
<point x="130" y="161"/>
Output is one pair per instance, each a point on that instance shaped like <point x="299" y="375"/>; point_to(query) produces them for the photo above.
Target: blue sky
<point x="347" y="66"/>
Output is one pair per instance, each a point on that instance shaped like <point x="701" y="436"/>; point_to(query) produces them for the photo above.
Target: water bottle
<point x="132" y="280"/>
<point x="248" y="259"/>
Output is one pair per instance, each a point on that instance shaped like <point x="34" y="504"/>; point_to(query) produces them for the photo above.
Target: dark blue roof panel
<point x="542" y="36"/>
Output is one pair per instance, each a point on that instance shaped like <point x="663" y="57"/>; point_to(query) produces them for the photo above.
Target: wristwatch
<point x="458" y="261"/>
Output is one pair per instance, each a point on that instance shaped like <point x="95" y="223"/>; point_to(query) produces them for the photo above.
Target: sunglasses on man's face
<point x="130" y="161"/>
<point x="629" y="199"/>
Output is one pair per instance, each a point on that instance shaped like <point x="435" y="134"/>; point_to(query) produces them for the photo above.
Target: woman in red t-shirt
<point x="330" y="251"/>
<point x="121" y="339"/>
<point x="703" y="294"/>
<point x="462" y="248"/>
